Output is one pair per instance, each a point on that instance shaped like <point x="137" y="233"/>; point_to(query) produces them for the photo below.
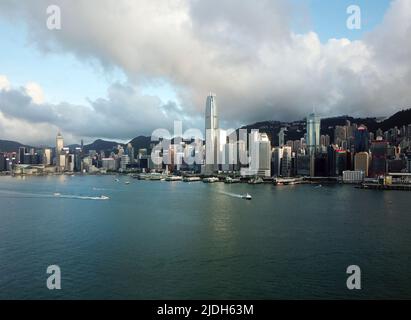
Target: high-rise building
<point x="47" y="160"/>
<point x="340" y="161"/>
<point x="276" y="157"/>
<point x="124" y="161"/>
<point x="21" y="156"/>
<point x="313" y="133"/>
<point x="281" y="137"/>
<point x="379" y="151"/>
<point x="260" y="155"/>
<point x="2" y="162"/>
<point x="286" y="162"/>
<point x="61" y="161"/>
<point x="362" y="162"/>
<point x="211" y="128"/>
<point x="340" y="135"/>
<point x="361" y="139"/>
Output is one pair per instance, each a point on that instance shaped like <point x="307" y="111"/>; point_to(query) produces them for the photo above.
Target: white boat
<point x="104" y="198"/>
<point x="246" y="196"/>
<point x="211" y="180"/>
<point x="191" y="179"/>
<point x="174" y="178"/>
<point x="57" y="194"/>
<point x="232" y="180"/>
<point x="116" y="180"/>
<point x="127" y="182"/>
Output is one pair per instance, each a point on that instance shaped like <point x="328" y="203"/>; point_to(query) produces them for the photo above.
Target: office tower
<point x="47" y="157"/>
<point x="281" y="137"/>
<point x="361" y="139"/>
<point x="325" y="140"/>
<point x="340" y="135"/>
<point x="286" y="162"/>
<point x="61" y="161"/>
<point x="264" y="166"/>
<point x="260" y="155"/>
<point x="379" y="151"/>
<point x="362" y="162"/>
<point x="2" y="162"/>
<point x="313" y="133"/>
<point x="69" y="165"/>
<point x="130" y="152"/>
<point x="303" y="164"/>
<point x="276" y="157"/>
<point x="341" y="159"/>
<point x="21" y="156"/>
<point x="124" y="161"/>
<point x="211" y="128"/>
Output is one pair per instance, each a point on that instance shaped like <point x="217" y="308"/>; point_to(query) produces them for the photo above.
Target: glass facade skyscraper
<point x="211" y="128"/>
<point x="313" y="133"/>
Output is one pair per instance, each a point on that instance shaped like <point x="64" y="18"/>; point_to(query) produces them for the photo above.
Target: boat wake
<point x="17" y="194"/>
<point x="234" y="195"/>
<point x="65" y="196"/>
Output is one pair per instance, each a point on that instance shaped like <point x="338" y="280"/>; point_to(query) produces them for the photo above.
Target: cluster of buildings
<point x="352" y="153"/>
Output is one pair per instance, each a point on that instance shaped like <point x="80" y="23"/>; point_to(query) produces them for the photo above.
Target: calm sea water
<point x="174" y="240"/>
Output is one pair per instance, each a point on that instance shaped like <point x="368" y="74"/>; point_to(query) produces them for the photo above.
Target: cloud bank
<point x="244" y="51"/>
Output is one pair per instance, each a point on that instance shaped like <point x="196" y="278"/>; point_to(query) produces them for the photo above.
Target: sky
<point x="119" y="69"/>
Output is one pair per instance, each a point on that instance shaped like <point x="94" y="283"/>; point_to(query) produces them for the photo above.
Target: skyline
<point x="81" y="82"/>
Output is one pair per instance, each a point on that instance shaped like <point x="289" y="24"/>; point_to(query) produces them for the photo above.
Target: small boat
<point x="127" y="182"/>
<point x="210" y="180"/>
<point x="57" y="194"/>
<point x="116" y="180"/>
<point x="246" y="196"/>
<point x="174" y="178"/>
<point x="104" y="198"/>
<point x="232" y="180"/>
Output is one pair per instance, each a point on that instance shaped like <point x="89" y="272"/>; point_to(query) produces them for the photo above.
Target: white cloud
<point x="4" y="83"/>
<point x="35" y="92"/>
<point x="244" y="51"/>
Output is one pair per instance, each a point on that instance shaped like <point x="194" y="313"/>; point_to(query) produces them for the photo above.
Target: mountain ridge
<point x="296" y="130"/>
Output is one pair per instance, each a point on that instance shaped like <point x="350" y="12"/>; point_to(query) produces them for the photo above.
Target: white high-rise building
<point x="60" y="155"/>
<point x="260" y="155"/>
<point x="47" y="157"/>
<point x="212" y="135"/>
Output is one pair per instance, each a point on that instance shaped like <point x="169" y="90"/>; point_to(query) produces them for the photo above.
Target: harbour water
<point x="176" y="240"/>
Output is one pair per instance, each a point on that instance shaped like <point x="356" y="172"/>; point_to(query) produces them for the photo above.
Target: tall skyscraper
<point x="313" y="133"/>
<point x="211" y="128"/>
<point x="59" y="152"/>
<point x="313" y="139"/>
<point x="281" y="137"/>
